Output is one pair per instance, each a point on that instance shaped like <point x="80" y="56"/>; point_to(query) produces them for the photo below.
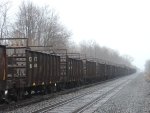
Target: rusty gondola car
<point x="90" y="71"/>
<point x="29" y="72"/>
<point x="100" y="71"/>
<point x="74" y="72"/>
<point x="43" y="70"/>
<point x="3" y="71"/>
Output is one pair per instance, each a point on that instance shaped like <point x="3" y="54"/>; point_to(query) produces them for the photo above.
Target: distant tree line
<point x="42" y="27"/>
<point x="93" y="50"/>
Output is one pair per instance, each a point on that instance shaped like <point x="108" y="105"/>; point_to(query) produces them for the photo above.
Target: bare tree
<point x="40" y="25"/>
<point x="26" y="23"/>
<point x="4" y="8"/>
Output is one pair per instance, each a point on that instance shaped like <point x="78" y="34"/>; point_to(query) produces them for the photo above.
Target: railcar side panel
<point x="42" y="68"/>
<point x="101" y="71"/>
<point x="90" y="69"/>
<point x="3" y="71"/>
<point x="74" y="69"/>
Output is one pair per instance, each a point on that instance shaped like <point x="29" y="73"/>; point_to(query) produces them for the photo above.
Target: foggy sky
<point x="123" y="25"/>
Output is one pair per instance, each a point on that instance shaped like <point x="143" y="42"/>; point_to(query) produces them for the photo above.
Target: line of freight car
<point x="37" y="72"/>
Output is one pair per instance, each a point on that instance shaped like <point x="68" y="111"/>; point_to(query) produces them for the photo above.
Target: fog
<point x="120" y="25"/>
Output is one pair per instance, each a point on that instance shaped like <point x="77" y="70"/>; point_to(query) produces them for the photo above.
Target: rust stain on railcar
<point x="3" y="63"/>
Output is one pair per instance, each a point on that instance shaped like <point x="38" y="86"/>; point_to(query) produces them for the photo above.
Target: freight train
<point x="25" y="72"/>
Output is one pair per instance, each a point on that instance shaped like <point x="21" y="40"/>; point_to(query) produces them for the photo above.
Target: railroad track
<point x="13" y="106"/>
<point x="99" y="100"/>
<point x="91" y="97"/>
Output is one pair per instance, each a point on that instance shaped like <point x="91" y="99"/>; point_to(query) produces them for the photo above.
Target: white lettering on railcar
<point x="30" y="59"/>
<point x="30" y="66"/>
<point x="35" y="58"/>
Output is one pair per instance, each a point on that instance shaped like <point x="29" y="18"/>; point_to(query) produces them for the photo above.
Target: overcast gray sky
<point x="123" y="25"/>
